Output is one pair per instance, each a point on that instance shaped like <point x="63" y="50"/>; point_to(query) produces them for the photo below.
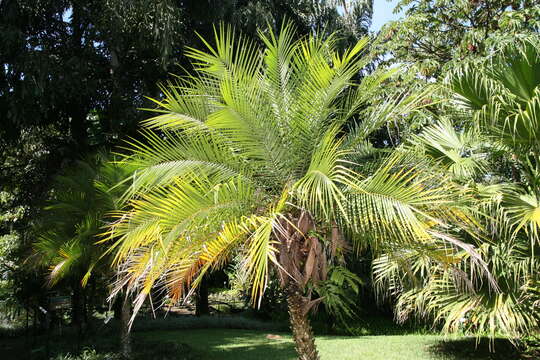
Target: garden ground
<point x="225" y="344"/>
<point x="244" y="338"/>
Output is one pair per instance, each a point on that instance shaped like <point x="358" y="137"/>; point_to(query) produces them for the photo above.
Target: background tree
<point x="433" y="37"/>
<point x="434" y="33"/>
<point x="69" y="232"/>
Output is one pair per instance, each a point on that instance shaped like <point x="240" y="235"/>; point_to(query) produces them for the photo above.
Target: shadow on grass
<point x="371" y="326"/>
<point x="99" y="343"/>
<point x="257" y="352"/>
<point x="189" y="343"/>
<point x="224" y="344"/>
<point x="227" y="344"/>
<point x="469" y="348"/>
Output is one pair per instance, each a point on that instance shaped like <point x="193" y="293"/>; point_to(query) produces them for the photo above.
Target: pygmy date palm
<point x="254" y="154"/>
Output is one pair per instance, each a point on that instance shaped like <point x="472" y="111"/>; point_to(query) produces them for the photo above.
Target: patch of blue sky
<point x="383" y="12"/>
<point x="66" y="16"/>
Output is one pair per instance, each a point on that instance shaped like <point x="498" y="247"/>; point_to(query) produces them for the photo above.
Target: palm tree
<point x="72" y="225"/>
<point x="457" y="297"/>
<point x="461" y="153"/>
<point x="65" y="236"/>
<point x="254" y="154"/>
<point x="495" y="151"/>
<point x="504" y="97"/>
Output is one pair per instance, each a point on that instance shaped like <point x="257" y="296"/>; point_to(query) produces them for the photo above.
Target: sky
<point x="383" y="12"/>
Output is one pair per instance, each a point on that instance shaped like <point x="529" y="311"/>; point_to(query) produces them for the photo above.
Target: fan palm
<point x="456" y="297"/>
<point x="501" y="97"/>
<point x="504" y="97"/>
<point x="253" y="154"/>
<point x="505" y="103"/>
<point x="460" y="153"/>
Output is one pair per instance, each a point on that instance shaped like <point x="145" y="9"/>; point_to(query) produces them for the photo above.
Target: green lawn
<point x="224" y="344"/>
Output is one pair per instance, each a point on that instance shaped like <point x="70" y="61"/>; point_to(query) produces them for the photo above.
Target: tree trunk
<point x="201" y="306"/>
<point x="78" y="125"/>
<point x="125" y="337"/>
<point x="76" y="110"/>
<point x="302" y="332"/>
<point x="76" y="304"/>
<point x="117" y="308"/>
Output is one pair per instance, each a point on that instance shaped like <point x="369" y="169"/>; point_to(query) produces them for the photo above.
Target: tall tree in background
<point x="434" y="36"/>
<point x="66" y="87"/>
<point x="436" y="32"/>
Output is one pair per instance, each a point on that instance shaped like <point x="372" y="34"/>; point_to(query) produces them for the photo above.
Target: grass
<point x="225" y="344"/>
<point x="238" y="337"/>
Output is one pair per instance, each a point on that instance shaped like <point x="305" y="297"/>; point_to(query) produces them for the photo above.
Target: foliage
<point x="280" y="151"/>
<point x="256" y="154"/>
<point x="499" y="98"/>
<point x="435" y="33"/>
<point x="235" y="157"/>
<point x="340" y="293"/>
<point x="461" y="153"/>
<point x="241" y="321"/>
<point x="66" y="250"/>
<point x="72" y="222"/>
<point x="100" y="343"/>
<point x="88" y="354"/>
<point x="74" y="74"/>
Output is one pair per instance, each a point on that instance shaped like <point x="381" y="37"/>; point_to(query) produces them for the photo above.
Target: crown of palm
<point x="257" y="137"/>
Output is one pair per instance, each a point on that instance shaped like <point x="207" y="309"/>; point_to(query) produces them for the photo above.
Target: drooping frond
<point x="400" y="203"/>
<point x="84" y="196"/>
<point x="457" y="297"/>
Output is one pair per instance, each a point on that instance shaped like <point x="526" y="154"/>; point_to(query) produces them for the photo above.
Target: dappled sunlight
<point x="230" y="344"/>
<point x="243" y="344"/>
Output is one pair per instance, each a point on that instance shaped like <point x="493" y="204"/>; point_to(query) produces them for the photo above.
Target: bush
<point x="166" y="350"/>
<point x="88" y="354"/>
<point x="208" y="322"/>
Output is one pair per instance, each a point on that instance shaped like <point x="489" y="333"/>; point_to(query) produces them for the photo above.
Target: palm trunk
<point x="117" y="308"/>
<point x="76" y="306"/>
<point x="302" y="332"/>
<point x="125" y="337"/>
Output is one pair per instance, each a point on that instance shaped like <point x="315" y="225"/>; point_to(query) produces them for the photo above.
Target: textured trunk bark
<point x="302" y="332"/>
<point x="125" y="337"/>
